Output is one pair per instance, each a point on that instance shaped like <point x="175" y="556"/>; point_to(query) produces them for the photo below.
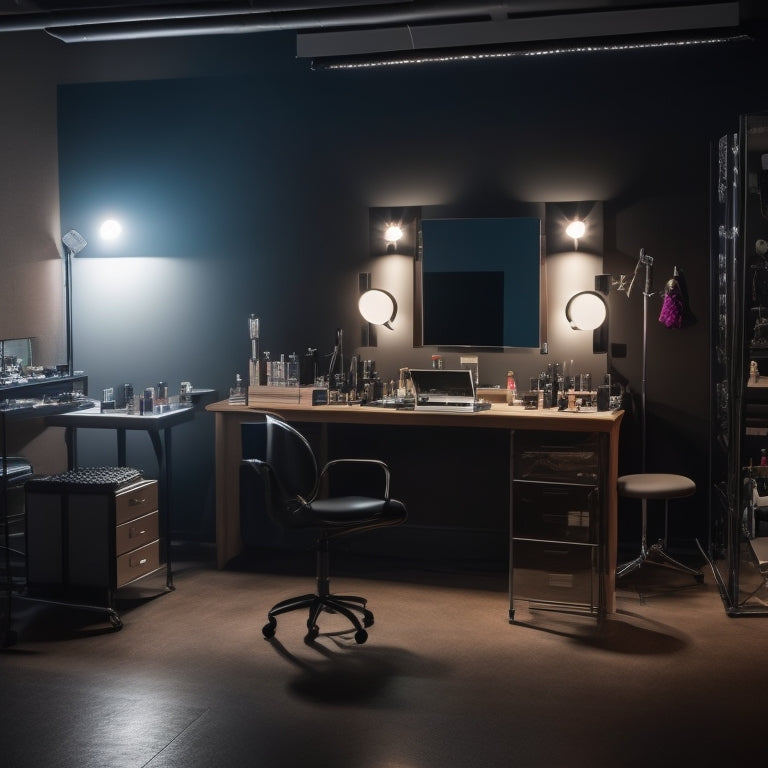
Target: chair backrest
<point x="287" y="452"/>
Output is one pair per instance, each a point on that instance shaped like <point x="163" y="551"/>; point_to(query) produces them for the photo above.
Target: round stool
<point x="655" y="485"/>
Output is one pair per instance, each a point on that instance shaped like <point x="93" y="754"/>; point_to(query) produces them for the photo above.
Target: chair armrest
<point x="370" y="462"/>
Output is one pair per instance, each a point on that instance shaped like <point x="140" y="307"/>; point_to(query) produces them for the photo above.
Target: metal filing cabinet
<point x="557" y="543"/>
<point x="84" y="537"/>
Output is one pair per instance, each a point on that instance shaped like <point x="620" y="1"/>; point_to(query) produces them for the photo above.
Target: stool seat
<point x="655" y="485"/>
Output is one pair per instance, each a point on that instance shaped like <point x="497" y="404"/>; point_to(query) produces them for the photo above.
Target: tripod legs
<point x="656" y="554"/>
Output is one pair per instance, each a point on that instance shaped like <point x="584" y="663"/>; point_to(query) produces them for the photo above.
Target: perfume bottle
<point x="237" y="394"/>
<point x="511" y="388"/>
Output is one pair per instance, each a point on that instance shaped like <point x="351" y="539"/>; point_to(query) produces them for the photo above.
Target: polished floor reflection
<point x="444" y="679"/>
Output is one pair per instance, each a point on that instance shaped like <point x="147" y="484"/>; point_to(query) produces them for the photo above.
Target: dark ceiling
<point x="343" y="28"/>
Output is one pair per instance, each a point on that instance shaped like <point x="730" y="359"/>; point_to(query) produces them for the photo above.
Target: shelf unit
<point x="20" y="402"/>
<point x="739" y="367"/>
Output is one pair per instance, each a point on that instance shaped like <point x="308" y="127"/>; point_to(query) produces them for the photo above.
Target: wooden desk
<point x="228" y="419"/>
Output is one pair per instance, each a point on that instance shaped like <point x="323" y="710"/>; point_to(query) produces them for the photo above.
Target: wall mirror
<point x="480" y="282"/>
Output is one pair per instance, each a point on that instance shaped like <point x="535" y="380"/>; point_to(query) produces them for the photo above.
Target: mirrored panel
<point x="481" y="282"/>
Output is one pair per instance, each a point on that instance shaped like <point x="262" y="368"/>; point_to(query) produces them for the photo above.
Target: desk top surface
<point x="499" y="416"/>
<point x="95" y="418"/>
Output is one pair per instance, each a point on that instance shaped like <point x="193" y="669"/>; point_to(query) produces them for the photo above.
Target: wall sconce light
<point x="587" y="311"/>
<point x="575" y="227"/>
<point x="576" y="230"/>
<point x="392" y="234"/>
<point x="378" y="307"/>
<point x="394" y="231"/>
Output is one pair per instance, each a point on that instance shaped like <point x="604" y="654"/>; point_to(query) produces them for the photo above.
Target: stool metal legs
<point x="656" y="553"/>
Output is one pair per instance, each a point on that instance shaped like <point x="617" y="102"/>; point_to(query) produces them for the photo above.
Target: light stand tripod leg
<point x="658" y="554"/>
<point x="633" y="565"/>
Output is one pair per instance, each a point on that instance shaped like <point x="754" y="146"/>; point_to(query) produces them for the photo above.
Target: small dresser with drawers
<point x="91" y="531"/>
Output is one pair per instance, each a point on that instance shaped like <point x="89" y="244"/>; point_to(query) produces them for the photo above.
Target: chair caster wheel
<point x="312" y="634"/>
<point x="361" y="636"/>
<point x="367" y="619"/>
<point x="115" y="621"/>
<point x="268" y="630"/>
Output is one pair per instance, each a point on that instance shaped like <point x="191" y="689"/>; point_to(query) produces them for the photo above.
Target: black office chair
<point x="279" y="474"/>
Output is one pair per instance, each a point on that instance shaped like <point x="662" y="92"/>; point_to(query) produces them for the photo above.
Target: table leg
<point x="165" y="472"/>
<point x="510" y="470"/>
<point x="121" y="451"/>
<point x="70" y="439"/>
<point x="162" y="448"/>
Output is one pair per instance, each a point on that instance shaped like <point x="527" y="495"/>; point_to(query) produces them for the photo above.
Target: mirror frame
<point x="532" y="210"/>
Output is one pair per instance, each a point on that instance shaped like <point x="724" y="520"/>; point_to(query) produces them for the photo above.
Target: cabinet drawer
<point x="553" y="572"/>
<point x="136" y="501"/>
<point x="550" y="511"/>
<point x="138" y="562"/>
<point x="567" y="457"/>
<point x="136" y="533"/>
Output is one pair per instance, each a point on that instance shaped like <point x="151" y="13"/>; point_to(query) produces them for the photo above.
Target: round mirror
<point x="378" y="307"/>
<point x="586" y="311"/>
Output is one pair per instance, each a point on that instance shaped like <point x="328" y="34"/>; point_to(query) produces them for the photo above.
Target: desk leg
<point x="70" y="439"/>
<point x="121" y="451"/>
<point x="509" y="516"/>
<point x="165" y="473"/>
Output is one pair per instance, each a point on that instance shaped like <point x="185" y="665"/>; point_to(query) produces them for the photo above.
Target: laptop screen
<point x="442" y="382"/>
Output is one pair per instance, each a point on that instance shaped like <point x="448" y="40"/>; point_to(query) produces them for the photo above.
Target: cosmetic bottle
<point x="511" y="388"/>
<point x="161" y="399"/>
<point x="237" y="395"/>
<point x="130" y="404"/>
<point x="149" y="400"/>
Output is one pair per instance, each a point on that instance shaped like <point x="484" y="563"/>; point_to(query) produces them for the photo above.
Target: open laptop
<point x="438" y="389"/>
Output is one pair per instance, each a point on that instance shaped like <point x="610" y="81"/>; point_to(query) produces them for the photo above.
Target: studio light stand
<point x="650" y="485"/>
<point x="73" y="243"/>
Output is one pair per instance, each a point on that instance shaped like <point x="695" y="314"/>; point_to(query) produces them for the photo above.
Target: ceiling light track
<point x="455" y="55"/>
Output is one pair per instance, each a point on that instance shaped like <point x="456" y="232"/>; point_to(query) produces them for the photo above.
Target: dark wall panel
<point x="250" y="193"/>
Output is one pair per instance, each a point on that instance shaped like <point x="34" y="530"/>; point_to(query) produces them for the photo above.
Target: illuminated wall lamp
<point x="378" y="307"/>
<point x="587" y="311"/>
<point x="392" y="234"/>
<point x="576" y="230"/>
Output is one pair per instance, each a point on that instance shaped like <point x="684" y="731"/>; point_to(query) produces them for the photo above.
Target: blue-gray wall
<point x="258" y="185"/>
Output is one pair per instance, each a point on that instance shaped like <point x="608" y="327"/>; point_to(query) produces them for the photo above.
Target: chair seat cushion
<point x="655" y="485"/>
<point x="353" y="510"/>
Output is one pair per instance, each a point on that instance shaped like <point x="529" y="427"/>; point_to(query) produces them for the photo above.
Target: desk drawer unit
<point x="555" y="511"/>
<point x="556" y="573"/>
<point x="556" y="548"/>
<point x="137" y="563"/>
<point x="92" y="539"/>
<point x="570" y="457"/>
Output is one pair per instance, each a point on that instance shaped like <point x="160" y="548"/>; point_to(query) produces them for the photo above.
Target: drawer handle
<point x="134" y="502"/>
<point x="134" y="533"/>
<point x="137" y="563"/>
